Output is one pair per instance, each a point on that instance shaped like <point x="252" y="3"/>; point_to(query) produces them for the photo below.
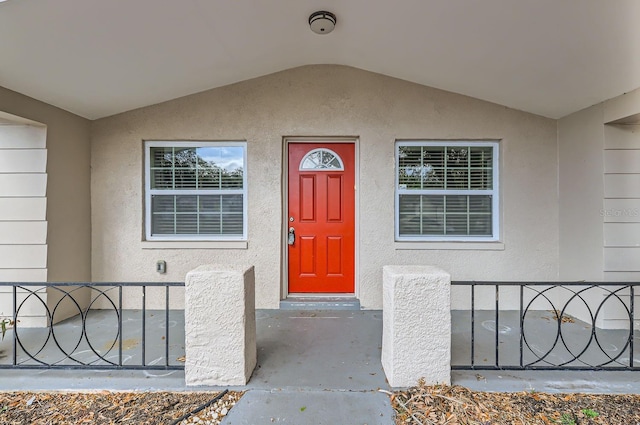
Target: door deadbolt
<point x="292" y="236"/>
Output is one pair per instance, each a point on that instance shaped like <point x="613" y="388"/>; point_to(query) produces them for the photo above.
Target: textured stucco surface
<point x="220" y="325"/>
<point x="581" y="186"/>
<point x="326" y="100"/>
<point x="416" y="329"/>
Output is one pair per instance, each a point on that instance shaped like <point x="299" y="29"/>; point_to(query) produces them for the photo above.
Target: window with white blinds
<point x="196" y="190"/>
<point x="446" y="191"/>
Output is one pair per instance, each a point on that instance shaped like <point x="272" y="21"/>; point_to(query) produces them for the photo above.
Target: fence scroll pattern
<point x="545" y="326"/>
<point x="85" y="326"/>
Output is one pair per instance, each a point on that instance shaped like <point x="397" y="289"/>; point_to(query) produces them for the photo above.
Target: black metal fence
<point x="102" y="325"/>
<point x="544" y="326"/>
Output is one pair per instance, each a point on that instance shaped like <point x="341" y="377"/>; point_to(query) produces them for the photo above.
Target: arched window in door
<point x="321" y="159"/>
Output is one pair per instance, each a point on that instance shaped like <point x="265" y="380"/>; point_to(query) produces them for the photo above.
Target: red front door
<point x="321" y="219"/>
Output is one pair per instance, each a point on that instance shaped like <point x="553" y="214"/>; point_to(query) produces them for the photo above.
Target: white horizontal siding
<point x="615" y="310"/>
<point x="22" y="137"/>
<point x="622" y="277"/>
<point x="23" y="209"/>
<point x="24" y="290"/>
<point x="23" y="275"/>
<point x="622" y="186"/>
<point x="621" y="259"/>
<point x="621" y="211"/>
<point x="23" y="256"/>
<point x="23" y="225"/>
<point x="621" y="234"/>
<point x="32" y="311"/>
<point x="23" y="232"/>
<point x="23" y="185"/>
<point x="27" y="304"/>
<point x="622" y="161"/>
<point x="23" y="160"/>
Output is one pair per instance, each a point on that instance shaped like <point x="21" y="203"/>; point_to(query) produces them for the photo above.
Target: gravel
<point x="213" y="414"/>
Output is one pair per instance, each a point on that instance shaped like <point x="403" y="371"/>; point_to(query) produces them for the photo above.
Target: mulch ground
<point x="457" y="405"/>
<point x="98" y="408"/>
<point x="430" y="405"/>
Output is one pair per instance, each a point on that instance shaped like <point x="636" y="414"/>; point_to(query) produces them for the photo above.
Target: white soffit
<point x="101" y="57"/>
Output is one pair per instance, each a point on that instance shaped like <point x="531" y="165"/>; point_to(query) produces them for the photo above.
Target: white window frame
<point x="494" y="193"/>
<point x="149" y="192"/>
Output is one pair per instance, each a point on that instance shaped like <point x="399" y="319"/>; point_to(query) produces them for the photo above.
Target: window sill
<point x="194" y="244"/>
<point x="463" y="246"/>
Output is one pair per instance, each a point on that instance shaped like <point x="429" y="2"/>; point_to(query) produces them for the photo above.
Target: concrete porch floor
<point x="313" y="350"/>
<point x="314" y="367"/>
<point x="316" y="350"/>
<point x="325" y="361"/>
<point x="296" y="349"/>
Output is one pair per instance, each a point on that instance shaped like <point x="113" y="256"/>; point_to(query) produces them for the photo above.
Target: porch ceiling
<point x="101" y="57"/>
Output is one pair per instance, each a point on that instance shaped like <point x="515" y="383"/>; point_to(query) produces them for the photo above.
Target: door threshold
<point x="322" y="302"/>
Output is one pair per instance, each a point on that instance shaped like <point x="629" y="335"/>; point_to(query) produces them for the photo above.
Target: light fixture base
<point x="322" y="22"/>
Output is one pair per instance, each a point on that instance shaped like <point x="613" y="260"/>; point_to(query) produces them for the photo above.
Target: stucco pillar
<point x="416" y="331"/>
<point x="220" y="325"/>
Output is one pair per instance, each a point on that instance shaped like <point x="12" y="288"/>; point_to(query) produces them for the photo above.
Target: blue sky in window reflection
<point x="228" y="158"/>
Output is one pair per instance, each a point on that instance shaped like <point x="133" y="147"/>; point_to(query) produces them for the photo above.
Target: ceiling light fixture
<point x="322" y="22"/>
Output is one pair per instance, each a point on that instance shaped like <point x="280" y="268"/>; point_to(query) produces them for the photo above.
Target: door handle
<point x="292" y="236"/>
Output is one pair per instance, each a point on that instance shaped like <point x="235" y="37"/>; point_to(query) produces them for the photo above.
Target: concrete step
<point x="316" y="303"/>
<point x="311" y="408"/>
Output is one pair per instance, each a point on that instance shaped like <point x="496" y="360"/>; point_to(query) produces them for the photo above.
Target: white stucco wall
<point x="220" y="325"/>
<point x="580" y="151"/>
<point x="327" y="100"/>
<point x="416" y="330"/>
